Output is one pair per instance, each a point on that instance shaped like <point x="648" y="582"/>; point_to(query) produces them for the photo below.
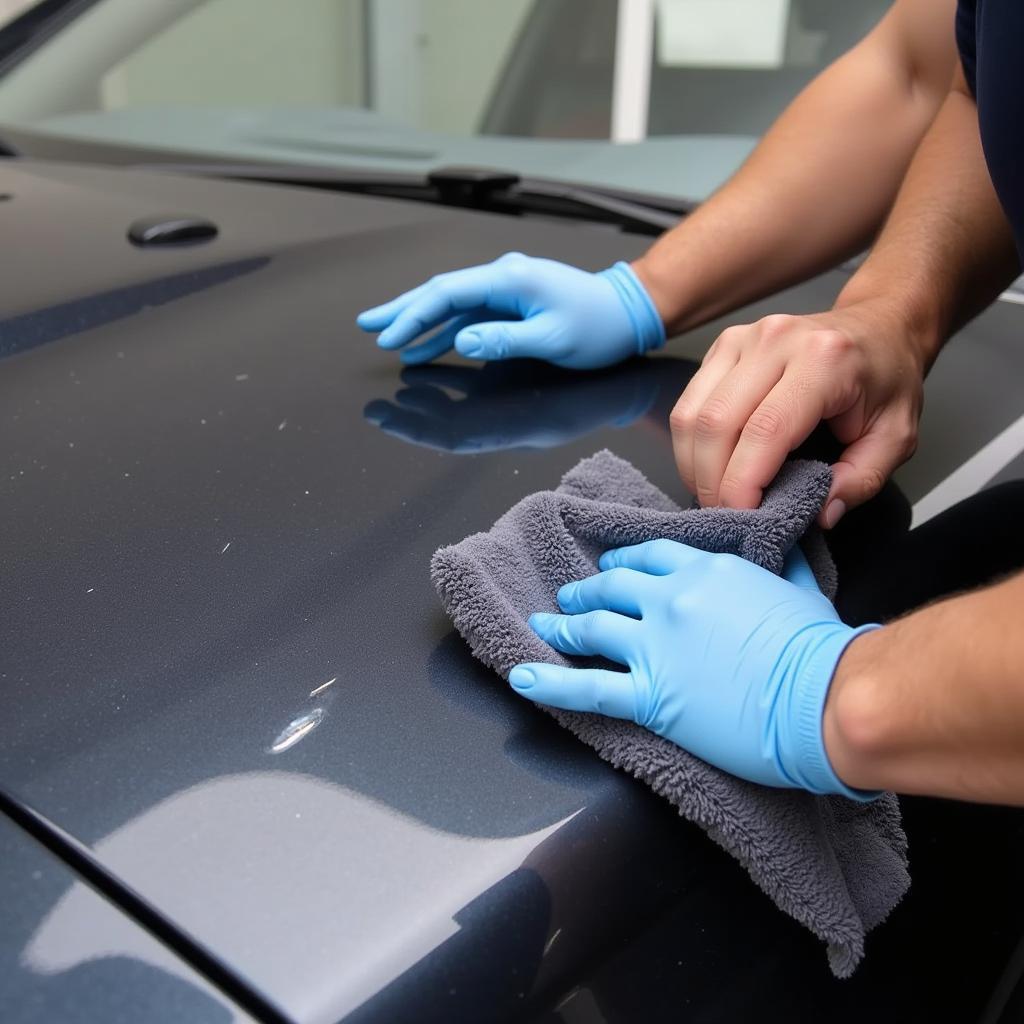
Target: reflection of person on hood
<point x="902" y="140"/>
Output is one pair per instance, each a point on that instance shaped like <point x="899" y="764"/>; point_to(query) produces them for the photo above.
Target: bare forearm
<point x="818" y="187"/>
<point x="934" y="703"/>
<point x="946" y="250"/>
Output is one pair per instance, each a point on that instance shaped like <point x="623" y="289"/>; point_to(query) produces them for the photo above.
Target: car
<point x="248" y="771"/>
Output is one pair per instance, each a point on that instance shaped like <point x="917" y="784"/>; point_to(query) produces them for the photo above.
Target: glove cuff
<point x="648" y="329"/>
<point x="812" y="769"/>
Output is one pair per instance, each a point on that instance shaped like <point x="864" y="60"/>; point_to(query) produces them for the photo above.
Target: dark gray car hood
<point x="202" y="530"/>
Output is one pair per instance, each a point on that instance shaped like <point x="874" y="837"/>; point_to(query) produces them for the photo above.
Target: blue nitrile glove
<point x="725" y="659"/>
<point x="519" y="306"/>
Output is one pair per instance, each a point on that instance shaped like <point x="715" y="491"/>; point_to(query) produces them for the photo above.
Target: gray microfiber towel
<point x="836" y="865"/>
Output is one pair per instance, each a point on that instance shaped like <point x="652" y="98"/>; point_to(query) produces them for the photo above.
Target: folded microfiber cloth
<point x="836" y="865"/>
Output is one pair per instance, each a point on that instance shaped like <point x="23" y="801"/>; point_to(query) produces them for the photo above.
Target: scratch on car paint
<point x="551" y="941"/>
<point x="323" y="686"/>
<point x="296" y="730"/>
<point x="282" y="425"/>
<point x="241" y="376"/>
<point x="226" y="546"/>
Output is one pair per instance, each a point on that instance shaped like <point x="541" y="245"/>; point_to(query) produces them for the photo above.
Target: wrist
<point x="854" y="717"/>
<point x="664" y="289"/>
<point x="916" y="323"/>
<point x="809" y="764"/>
<point x="644" y="317"/>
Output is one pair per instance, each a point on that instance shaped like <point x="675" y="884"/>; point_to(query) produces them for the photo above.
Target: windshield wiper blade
<point x="468" y="187"/>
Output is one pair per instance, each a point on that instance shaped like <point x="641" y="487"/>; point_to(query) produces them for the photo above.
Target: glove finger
<point x="600" y="633"/>
<point x="439" y="343"/>
<point x="797" y="570"/>
<point x="577" y="689"/>
<point x="443" y="298"/>
<point x="378" y="317"/>
<point x="615" y="590"/>
<point x="538" y="337"/>
<point x="654" y="557"/>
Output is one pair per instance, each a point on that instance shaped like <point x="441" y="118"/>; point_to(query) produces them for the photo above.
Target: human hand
<point x="763" y="388"/>
<point x="519" y="306"/>
<point x="724" y="658"/>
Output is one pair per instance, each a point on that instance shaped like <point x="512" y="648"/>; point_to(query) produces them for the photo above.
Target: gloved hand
<point x="725" y="659"/>
<point x="519" y="306"/>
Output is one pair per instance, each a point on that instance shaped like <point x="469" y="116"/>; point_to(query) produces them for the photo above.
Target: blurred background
<point x="409" y="84"/>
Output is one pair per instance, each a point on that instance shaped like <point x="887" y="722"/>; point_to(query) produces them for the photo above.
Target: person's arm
<point x="934" y="702"/>
<point x="818" y="186"/>
<point x="815" y="190"/>
<point x="945" y="252"/>
<point x="756" y="674"/>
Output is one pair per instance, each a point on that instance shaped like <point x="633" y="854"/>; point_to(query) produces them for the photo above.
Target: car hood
<point x="223" y="665"/>
<point x="224" y="668"/>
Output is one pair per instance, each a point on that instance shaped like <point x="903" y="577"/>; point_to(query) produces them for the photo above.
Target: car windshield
<point x="658" y="96"/>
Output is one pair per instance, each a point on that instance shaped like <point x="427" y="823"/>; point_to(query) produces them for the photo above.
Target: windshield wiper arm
<point x="469" y="187"/>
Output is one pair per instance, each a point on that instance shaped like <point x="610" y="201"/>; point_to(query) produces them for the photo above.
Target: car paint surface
<point x="223" y="664"/>
<point x="67" y="954"/>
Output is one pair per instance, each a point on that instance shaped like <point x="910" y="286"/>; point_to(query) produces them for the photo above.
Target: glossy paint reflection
<point x="97" y="964"/>
<point x="521" y="403"/>
<point x="300" y="831"/>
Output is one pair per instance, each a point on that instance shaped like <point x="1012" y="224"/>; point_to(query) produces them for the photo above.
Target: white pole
<point x="631" y="84"/>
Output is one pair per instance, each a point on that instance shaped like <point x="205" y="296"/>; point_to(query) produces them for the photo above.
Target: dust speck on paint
<point x="226" y="546"/>
<point x="282" y="425"/>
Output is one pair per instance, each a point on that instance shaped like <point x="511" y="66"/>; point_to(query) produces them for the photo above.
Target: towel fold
<point x="835" y="865"/>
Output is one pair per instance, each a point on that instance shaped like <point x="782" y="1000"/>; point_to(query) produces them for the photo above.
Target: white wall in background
<point x="248" y="53"/>
<point x="435" y="62"/>
<point x="12" y="8"/>
<point x="722" y="33"/>
<point x="431" y="63"/>
<point x="465" y="43"/>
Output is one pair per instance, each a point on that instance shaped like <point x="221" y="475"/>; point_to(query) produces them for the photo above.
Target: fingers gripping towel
<point x="837" y="866"/>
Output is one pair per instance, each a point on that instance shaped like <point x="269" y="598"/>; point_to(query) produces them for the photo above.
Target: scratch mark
<point x="90" y="590"/>
<point x="282" y="425"/>
<point x="241" y="376"/>
<point x="226" y="546"/>
<point x="297" y="730"/>
<point x="323" y="686"/>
